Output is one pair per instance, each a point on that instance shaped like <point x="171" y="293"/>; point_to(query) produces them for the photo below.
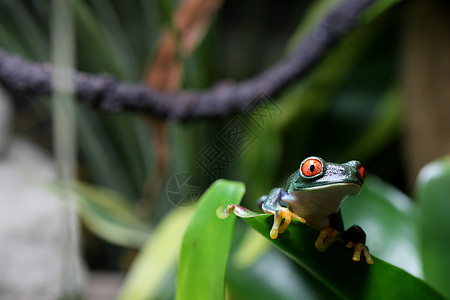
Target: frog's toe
<point x="275" y="229"/>
<point x="360" y="247"/>
<point x="356" y="237"/>
<point x="326" y="238"/>
<point x="224" y="211"/>
<point x="279" y="215"/>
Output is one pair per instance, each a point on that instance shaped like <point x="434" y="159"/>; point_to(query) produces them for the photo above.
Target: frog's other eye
<point x="311" y="167"/>
<point x="362" y="172"/>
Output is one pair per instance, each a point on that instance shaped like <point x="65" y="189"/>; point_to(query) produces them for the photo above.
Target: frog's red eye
<point x="362" y="172"/>
<point x="311" y="167"/>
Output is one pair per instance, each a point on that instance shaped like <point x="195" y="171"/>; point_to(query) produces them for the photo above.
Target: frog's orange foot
<point x="360" y="247"/>
<point x="280" y="214"/>
<point x="326" y="238"/>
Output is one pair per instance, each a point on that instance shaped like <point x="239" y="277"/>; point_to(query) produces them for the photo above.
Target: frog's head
<point x="317" y="174"/>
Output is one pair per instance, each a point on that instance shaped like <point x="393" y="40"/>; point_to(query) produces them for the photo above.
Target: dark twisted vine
<point x="108" y="94"/>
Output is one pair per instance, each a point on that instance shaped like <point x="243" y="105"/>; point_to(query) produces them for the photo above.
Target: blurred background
<point x="381" y="96"/>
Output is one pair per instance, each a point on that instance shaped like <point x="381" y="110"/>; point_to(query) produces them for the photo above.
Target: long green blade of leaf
<point x="110" y="216"/>
<point x="27" y="28"/>
<point x="335" y="269"/>
<point x="102" y="157"/>
<point x="386" y="215"/>
<point x="206" y="244"/>
<point x="434" y="233"/>
<point x="157" y="258"/>
<point x="254" y="269"/>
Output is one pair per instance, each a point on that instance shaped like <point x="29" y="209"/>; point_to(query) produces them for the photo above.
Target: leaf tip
<point x="222" y="212"/>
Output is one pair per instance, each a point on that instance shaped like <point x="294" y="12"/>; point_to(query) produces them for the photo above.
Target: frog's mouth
<point x="347" y="188"/>
<point x="317" y="203"/>
<point x="334" y="192"/>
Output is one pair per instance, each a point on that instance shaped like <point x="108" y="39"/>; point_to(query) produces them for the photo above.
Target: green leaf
<point x="387" y="217"/>
<point x="110" y="216"/>
<point x="102" y="157"/>
<point x="23" y="25"/>
<point x="167" y="11"/>
<point x="206" y="244"/>
<point x="335" y="269"/>
<point x="115" y="34"/>
<point x="275" y="276"/>
<point x="133" y="153"/>
<point x="433" y="192"/>
<point x="91" y="36"/>
<point x="255" y="268"/>
<point x="157" y="258"/>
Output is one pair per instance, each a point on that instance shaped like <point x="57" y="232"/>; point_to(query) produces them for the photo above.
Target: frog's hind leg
<point x="326" y="237"/>
<point x="271" y="204"/>
<point x="352" y="237"/>
<point x="356" y="237"/>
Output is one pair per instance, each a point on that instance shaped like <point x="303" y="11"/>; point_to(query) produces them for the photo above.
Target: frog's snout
<point x="354" y="164"/>
<point x="358" y="172"/>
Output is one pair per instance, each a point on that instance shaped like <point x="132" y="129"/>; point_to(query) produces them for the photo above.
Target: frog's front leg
<point x="270" y="204"/>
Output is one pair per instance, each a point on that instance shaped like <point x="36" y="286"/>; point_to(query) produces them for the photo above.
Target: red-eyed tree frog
<point x="313" y="194"/>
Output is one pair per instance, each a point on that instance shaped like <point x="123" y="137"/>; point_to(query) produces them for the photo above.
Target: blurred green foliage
<point x="348" y="107"/>
<point x="433" y="190"/>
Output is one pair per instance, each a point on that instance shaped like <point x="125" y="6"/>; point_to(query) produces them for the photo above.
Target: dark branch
<point x="224" y="99"/>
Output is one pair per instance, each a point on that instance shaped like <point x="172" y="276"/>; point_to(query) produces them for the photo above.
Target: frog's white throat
<point x="316" y="204"/>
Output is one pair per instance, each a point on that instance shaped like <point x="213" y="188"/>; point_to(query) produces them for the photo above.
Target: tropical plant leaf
<point x="101" y="155"/>
<point x="206" y="243"/>
<point x="25" y="28"/>
<point x="91" y="36"/>
<point x="110" y="216"/>
<point x="433" y="192"/>
<point x="387" y="217"/>
<point x="257" y="270"/>
<point x="335" y="269"/>
<point x="157" y="258"/>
